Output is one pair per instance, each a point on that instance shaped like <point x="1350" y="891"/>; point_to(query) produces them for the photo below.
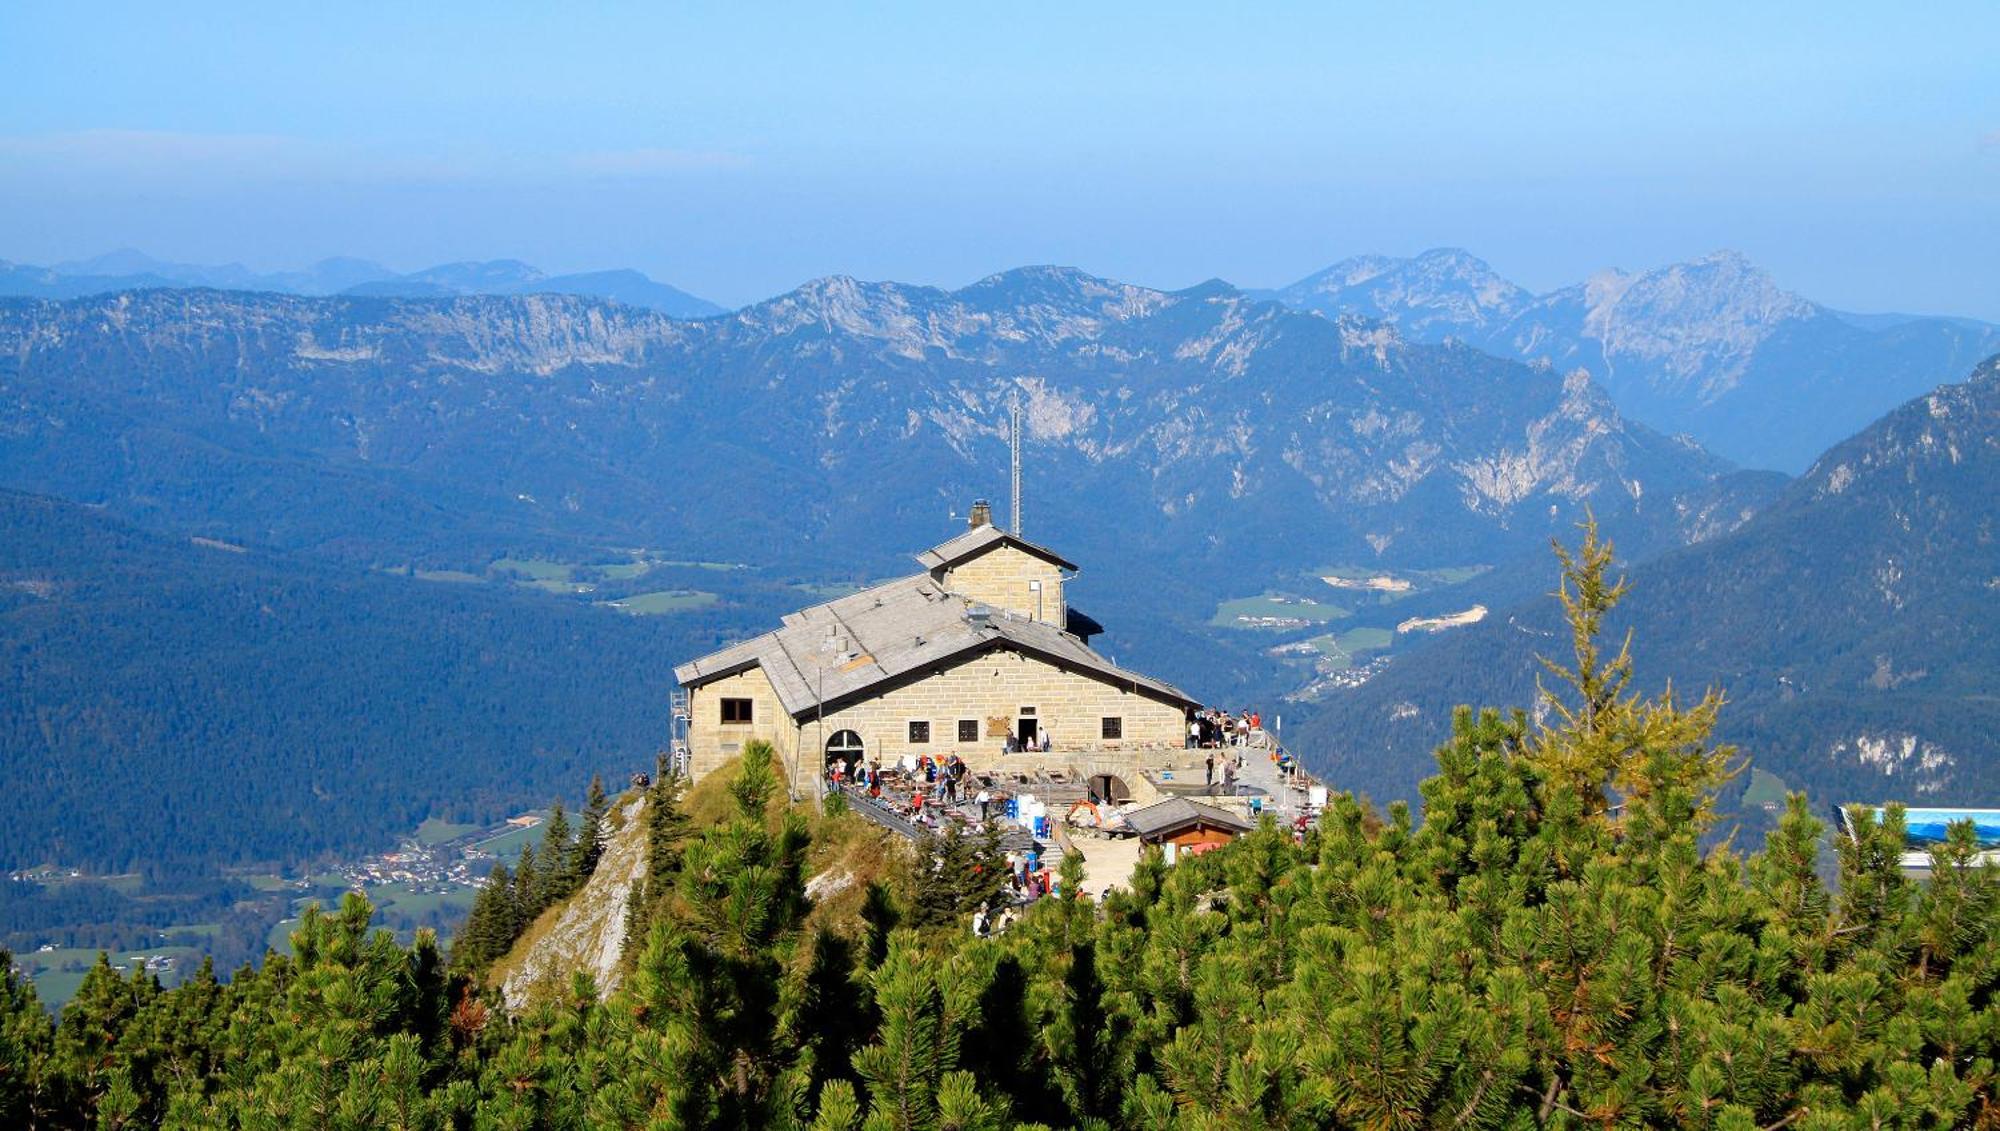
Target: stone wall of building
<point x="990" y="690"/>
<point x="1001" y="577"/>
<point x="712" y="742"/>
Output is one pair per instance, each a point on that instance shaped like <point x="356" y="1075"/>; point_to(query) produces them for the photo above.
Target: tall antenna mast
<point x="1014" y="443"/>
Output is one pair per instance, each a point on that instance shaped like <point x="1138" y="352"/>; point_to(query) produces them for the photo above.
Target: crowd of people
<point x="932" y="792"/>
<point x="1211" y="729"/>
<point x="920" y="789"/>
<point x="1029" y="878"/>
<point x="1219" y="733"/>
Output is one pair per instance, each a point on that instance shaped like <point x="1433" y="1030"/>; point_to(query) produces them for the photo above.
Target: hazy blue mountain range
<point x="1713" y="347"/>
<point x="132" y="270"/>
<point x="1854" y="623"/>
<point x="1233" y="435"/>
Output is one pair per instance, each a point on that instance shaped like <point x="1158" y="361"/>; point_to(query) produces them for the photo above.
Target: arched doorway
<point x="845" y="747"/>
<point x="1109" y="789"/>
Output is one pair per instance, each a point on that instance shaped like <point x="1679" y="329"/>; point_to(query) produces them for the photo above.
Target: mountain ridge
<point x="1712" y="346"/>
<point x="128" y="269"/>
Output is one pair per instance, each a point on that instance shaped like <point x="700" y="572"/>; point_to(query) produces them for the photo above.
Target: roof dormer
<point x="990" y="566"/>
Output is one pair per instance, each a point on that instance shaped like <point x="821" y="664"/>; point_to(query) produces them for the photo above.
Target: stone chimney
<point x="982" y="515"/>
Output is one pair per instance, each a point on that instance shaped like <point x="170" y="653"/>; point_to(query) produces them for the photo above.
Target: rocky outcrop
<point x="586" y="932"/>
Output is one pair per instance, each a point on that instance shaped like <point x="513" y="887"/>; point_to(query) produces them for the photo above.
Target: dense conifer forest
<point x="145" y="679"/>
<point x="1552" y="947"/>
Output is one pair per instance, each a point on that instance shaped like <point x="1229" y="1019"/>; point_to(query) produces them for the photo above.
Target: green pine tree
<point x="955" y="872"/>
<point x="529" y="887"/>
<point x="667" y="831"/>
<point x="589" y="845"/>
<point x="924" y="1005"/>
<point x="556" y="859"/>
<point x="720" y="1035"/>
<point x="27" y="1035"/>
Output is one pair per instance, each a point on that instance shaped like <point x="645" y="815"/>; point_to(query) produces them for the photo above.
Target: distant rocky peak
<point x="1454" y="259"/>
<point x="841" y="302"/>
<point x="1044" y="304"/>
<point x="826" y="288"/>
<point x="1209" y="290"/>
<point x="1039" y="276"/>
<point x="1438" y="263"/>
<point x="1699" y="322"/>
<point x="1349" y="272"/>
<point x="1444" y="289"/>
<point x="480" y="275"/>
<point x="1061" y="288"/>
<point x="1721" y="284"/>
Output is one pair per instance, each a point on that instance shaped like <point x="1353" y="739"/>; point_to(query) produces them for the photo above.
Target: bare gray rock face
<point x="586" y="932"/>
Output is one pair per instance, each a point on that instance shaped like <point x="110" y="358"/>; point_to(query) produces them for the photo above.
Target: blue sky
<point x="737" y="150"/>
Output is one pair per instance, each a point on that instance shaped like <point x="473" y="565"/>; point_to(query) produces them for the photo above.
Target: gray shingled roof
<point x="1174" y="812"/>
<point x="847" y="646"/>
<point x="977" y="541"/>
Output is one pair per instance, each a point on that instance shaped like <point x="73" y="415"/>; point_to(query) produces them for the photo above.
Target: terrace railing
<point x="879" y="813"/>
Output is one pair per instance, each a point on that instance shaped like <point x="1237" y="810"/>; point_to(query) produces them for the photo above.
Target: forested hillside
<point x="1853" y="624"/>
<point x="172" y="707"/>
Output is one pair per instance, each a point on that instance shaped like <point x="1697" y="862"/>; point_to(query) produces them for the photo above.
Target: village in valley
<point x="428" y="880"/>
<point x="459" y="861"/>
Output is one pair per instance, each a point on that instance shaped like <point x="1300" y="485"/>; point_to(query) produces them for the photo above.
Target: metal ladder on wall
<point x="677" y="751"/>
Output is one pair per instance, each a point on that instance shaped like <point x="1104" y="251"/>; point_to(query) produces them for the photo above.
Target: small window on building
<point x="1113" y="726"/>
<point x="1028" y="711"/>
<point x="736" y="710"/>
<point x="968" y="730"/>
<point x="920" y="731"/>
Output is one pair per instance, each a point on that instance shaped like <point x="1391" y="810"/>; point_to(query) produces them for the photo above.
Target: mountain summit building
<point x="978" y="656"/>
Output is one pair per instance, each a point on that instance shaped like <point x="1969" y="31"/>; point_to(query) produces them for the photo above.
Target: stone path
<point x="1108" y="862"/>
<point x="1260" y="777"/>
